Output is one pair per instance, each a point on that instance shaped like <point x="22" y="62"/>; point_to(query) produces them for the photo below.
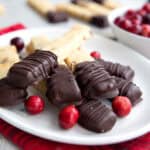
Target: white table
<point x="18" y="11"/>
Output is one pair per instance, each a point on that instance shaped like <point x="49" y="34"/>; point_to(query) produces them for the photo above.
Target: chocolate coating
<point x="36" y="67"/>
<point x="100" y="21"/>
<point x="62" y="87"/>
<point x="75" y="1"/>
<point x="11" y="95"/>
<point x="55" y="17"/>
<point x="96" y="116"/>
<point x="99" y="1"/>
<point x="129" y="89"/>
<point x="116" y="69"/>
<point x="94" y="81"/>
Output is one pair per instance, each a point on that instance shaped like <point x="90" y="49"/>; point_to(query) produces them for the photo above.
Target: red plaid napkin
<point x="27" y="141"/>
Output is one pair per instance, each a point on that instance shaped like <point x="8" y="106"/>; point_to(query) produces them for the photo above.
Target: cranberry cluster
<point x="136" y="21"/>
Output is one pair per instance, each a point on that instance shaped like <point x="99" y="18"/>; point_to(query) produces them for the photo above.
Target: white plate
<point x="45" y="125"/>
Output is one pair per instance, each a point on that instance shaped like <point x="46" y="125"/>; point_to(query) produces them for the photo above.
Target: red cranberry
<point x="118" y="20"/>
<point x="125" y="24"/>
<point x="146" y="7"/>
<point x="141" y="12"/>
<point x="145" y="30"/>
<point x="130" y="13"/>
<point x="122" y="106"/>
<point x="136" y="22"/>
<point x="136" y="19"/>
<point x="136" y="29"/>
<point x="95" y="54"/>
<point x="34" y="105"/>
<point x="18" y="42"/>
<point x="68" y="117"/>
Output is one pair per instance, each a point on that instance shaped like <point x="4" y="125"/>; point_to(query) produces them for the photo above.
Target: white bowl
<point x="138" y="43"/>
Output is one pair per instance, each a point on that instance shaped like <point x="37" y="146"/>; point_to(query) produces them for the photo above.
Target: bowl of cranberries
<point x="131" y="26"/>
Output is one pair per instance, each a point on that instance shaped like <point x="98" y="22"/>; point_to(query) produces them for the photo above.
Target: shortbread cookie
<point x="45" y="8"/>
<point x="92" y="6"/>
<point x="38" y="42"/>
<point x="8" y="56"/>
<point x="111" y="4"/>
<point x="75" y="11"/>
<point x="63" y="45"/>
<point x="78" y="56"/>
<point x="84" y="14"/>
<point x="2" y="9"/>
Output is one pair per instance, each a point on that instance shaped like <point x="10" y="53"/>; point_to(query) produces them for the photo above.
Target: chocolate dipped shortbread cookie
<point x="96" y="116"/>
<point x="110" y="4"/>
<point x="94" y="81"/>
<point x="62" y="87"/>
<point x="35" y="67"/>
<point x="11" y="95"/>
<point x="84" y="14"/>
<point x="129" y="89"/>
<point x="48" y="10"/>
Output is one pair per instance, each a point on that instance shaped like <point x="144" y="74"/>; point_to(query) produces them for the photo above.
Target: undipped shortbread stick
<point x="92" y="6"/>
<point x="111" y="4"/>
<point x="64" y="45"/>
<point x="83" y="13"/>
<point x="2" y="9"/>
<point x="45" y="8"/>
<point x="8" y="56"/>
<point x="79" y="55"/>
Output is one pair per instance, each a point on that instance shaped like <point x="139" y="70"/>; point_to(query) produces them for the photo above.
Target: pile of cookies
<point x="72" y="79"/>
<point x="92" y="11"/>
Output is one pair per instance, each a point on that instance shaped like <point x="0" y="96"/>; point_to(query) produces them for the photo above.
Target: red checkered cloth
<point x="27" y="141"/>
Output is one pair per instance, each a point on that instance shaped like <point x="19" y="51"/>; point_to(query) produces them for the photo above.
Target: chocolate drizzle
<point x="129" y="89"/>
<point x="11" y="95"/>
<point x="116" y="69"/>
<point x="62" y="87"/>
<point x="33" y="68"/>
<point x="96" y="116"/>
<point x="94" y="81"/>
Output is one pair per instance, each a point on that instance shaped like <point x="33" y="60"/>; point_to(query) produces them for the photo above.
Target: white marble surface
<point x="18" y="11"/>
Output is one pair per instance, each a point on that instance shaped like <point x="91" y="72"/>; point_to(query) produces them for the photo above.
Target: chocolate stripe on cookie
<point x="118" y="70"/>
